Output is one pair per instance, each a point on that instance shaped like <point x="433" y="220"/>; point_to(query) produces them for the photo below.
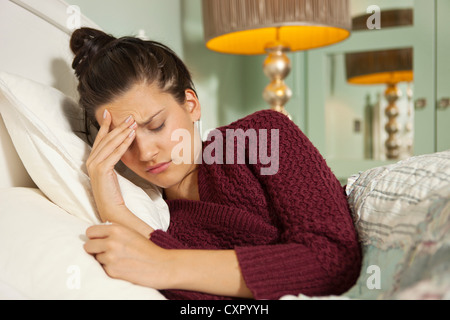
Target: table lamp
<point x="274" y="27"/>
<point x="388" y="67"/>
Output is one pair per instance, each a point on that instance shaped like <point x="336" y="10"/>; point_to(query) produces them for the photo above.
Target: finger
<point x="101" y="258"/>
<point x="106" y="144"/>
<point x="98" y="231"/>
<point x="104" y="128"/>
<point x="112" y="151"/>
<point x="95" y="246"/>
<point x="106" y="133"/>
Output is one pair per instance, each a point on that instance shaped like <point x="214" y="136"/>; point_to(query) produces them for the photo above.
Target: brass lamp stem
<point x="277" y="67"/>
<point x="392" y="144"/>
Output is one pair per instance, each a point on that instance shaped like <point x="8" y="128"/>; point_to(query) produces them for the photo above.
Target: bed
<point x="45" y="199"/>
<point x="401" y="211"/>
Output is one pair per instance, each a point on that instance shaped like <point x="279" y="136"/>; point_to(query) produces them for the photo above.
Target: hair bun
<point x="85" y="43"/>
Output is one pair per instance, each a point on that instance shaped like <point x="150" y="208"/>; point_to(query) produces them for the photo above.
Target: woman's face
<point x="158" y="115"/>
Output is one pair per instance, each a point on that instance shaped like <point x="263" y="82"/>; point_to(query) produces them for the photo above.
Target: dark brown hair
<point x="107" y="67"/>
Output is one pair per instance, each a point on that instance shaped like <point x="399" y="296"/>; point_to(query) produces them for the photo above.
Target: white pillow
<point x="41" y="122"/>
<point x="401" y="213"/>
<point x="390" y="202"/>
<point x="42" y="255"/>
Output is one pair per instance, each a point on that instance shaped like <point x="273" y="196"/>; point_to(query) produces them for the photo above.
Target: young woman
<point x="236" y="231"/>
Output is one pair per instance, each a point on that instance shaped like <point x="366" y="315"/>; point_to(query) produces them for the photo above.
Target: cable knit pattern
<point x="292" y="231"/>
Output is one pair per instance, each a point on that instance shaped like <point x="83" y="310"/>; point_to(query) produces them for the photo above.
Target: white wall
<point x="161" y="19"/>
<point x="219" y="78"/>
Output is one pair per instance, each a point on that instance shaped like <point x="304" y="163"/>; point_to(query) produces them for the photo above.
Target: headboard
<point x="34" y="40"/>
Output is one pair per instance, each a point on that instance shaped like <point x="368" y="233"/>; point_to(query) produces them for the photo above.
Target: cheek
<point x="171" y="137"/>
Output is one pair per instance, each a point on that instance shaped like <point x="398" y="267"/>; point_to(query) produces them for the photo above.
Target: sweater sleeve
<point x="165" y="240"/>
<point x="317" y="252"/>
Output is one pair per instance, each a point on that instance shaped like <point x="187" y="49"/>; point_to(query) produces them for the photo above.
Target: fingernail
<point x="105" y="113"/>
<point x="132" y="133"/>
<point x="133" y="126"/>
<point x="128" y="119"/>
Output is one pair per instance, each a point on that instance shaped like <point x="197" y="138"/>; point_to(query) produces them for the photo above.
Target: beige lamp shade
<point x="251" y="26"/>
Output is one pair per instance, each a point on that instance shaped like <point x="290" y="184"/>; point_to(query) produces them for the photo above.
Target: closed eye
<point x="159" y="128"/>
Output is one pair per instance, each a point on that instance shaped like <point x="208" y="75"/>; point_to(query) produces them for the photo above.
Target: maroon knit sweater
<point x="292" y="231"/>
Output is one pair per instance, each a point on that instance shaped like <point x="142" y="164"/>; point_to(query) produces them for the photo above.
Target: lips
<point x="158" y="168"/>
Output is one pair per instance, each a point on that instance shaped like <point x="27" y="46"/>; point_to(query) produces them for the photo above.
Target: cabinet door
<point x="443" y="76"/>
<point x="336" y="110"/>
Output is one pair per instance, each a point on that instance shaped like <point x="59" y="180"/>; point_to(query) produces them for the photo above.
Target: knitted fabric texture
<point x="292" y="231"/>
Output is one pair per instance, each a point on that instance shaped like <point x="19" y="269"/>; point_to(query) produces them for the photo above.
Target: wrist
<point x="110" y="213"/>
<point x="173" y="273"/>
<point x="120" y="214"/>
<point x="210" y="271"/>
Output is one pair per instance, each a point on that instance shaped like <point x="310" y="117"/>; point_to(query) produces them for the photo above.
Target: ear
<point x="193" y="105"/>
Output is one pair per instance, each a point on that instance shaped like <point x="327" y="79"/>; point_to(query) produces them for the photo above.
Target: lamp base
<point x="281" y="110"/>
<point x="277" y="67"/>
<point x="392" y="144"/>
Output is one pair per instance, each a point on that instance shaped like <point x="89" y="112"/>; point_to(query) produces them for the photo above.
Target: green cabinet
<point x="443" y="75"/>
<point x="346" y="122"/>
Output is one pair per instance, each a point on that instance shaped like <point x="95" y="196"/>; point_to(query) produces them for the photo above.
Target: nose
<point x="145" y="147"/>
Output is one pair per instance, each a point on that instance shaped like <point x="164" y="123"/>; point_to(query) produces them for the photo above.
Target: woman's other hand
<point x="127" y="255"/>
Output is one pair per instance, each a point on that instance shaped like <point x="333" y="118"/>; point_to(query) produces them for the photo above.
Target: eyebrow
<point x="144" y="123"/>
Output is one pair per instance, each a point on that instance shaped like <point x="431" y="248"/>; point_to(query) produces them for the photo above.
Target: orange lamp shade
<point x="380" y="67"/>
<point x="296" y="38"/>
<point x="251" y="26"/>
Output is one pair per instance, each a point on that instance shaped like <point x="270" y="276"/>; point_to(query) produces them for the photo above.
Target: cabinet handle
<point x="420" y="103"/>
<point x="443" y="104"/>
